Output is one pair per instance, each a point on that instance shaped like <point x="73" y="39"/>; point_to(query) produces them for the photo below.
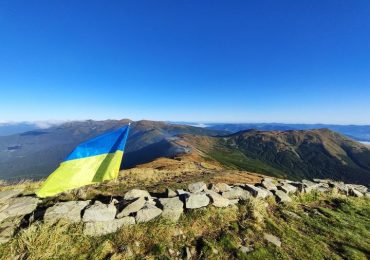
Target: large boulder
<point x="172" y="208"/>
<point x="18" y="207"/>
<point x="69" y="211"/>
<point x="99" y="212"/>
<point x="7" y="194"/>
<point x="197" y="187"/>
<point x="135" y="193"/>
<point x="195" y="201"/>
<point x="133" y="207"/>
<point x="220" y="187"/>
<point x="99" y="228"/>
<point x="256" y="191"/>
<point x="217" y="200"/>
<point x="236" y="193"/>
<point x="147" y="213"/>
<point x="282" y="197"/>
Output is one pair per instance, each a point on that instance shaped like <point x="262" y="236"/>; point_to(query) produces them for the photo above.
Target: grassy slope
<point x="292" y="154"/>
<point x="327" y="227"/>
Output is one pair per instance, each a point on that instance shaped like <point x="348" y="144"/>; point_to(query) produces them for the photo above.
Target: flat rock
<point x="133" y="207"/>
<point x="195" y="201"/>
<point x="99" y="212"/>
<point x="99" y="228"/>
<point x="18" y="207"/>
<point x="355" y="193"/>
<point x="246" y="249"/>
<point x="272" y="239"/>
<point x="7" y="229"/>
<point x="135" y="193"/>
<point x="147" y="213"/>
<point x="309" y="186"/>
<point x="288" y="188"/>
<point x="69" y="211"/>
<point x="7" y="194"/>
<point x="197" y="187"/>
<point x="236" y="193"/>
<point x="220" y="187"/>
<point x="172" y="208"/>
<point x="217" y="200"/>
<point x="268" y="184"/>
<point x="282" y="197"/>
<point x="360" y="188"/>
<point x="322" y="180"/>
<point x="256" y="191"/>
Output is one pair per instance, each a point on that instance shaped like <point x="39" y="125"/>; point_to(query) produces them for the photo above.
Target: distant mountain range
<point x="356" y="132"/>
<point x="319" y="153"/>
<point x="293" y="154"/>
<point x="35" y="154"/>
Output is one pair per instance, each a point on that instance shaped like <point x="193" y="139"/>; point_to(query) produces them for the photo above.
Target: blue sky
<point x="213" y="61"/>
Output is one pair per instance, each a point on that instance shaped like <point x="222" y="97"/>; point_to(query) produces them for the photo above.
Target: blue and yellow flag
<point x="93" y="161"/>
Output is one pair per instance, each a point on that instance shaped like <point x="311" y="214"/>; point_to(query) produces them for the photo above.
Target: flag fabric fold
<point x="93" y="161"/>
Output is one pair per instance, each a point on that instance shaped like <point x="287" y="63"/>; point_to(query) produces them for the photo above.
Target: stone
<point x="181" y="192"/>
<point x="170" y="193"/>
<point x="7" y="194"/>
<point x="323" y="189"/>
<point x="291" y="214"/>
<point x="69" y="211"/>
<point x="195" y="201"/>
<point x="220" y="187"/>
<point x="354" y="192"/>
<point x="321" y="180"/>
<point x="147" y="213"/>
<point x="8" y="228"/>
<point x="197" y="187"/>
<point x="172" y="208"/>
<point x="99" y="228"/>
<point x="340" y="186"/>
<point x="272" y="239"/>
<point x="217" y="200"/>
<point x="287" y="188"/>
<point x="236" y="193"/>
<point x="99" y="212"/>
<point x="360" y="188"/>
<point x="246" y="249"/>
<point x="133" y="207"/>
<point x="309" y="186"/>
<point x="268" y="184"/>
<point x="18" y="207"/>
<point x="135" y="193"/>
<point x="256" y="191"/>
<point x="367" y="194"/>
<point x="282" y="197"/>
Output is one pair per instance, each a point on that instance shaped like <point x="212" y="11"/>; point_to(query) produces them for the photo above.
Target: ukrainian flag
<point x="93" y="161"/>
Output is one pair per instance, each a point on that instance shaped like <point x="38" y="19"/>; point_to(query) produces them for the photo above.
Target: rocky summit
<point x="138" y="206"/>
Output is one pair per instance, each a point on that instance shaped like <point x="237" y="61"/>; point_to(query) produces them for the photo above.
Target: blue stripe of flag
<point x="106" y="143"/>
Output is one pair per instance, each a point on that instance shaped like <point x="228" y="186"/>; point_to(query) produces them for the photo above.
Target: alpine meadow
<point x="204" y="129"/>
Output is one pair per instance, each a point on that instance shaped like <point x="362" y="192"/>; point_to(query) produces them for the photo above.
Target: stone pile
<point x="138" y="206"/>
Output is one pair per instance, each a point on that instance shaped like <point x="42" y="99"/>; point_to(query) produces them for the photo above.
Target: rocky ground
<point x="100" y="217"/>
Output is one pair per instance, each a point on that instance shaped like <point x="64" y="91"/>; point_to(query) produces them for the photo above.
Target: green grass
<point x="311" y="227"/>
<point x="235" y="159"/>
